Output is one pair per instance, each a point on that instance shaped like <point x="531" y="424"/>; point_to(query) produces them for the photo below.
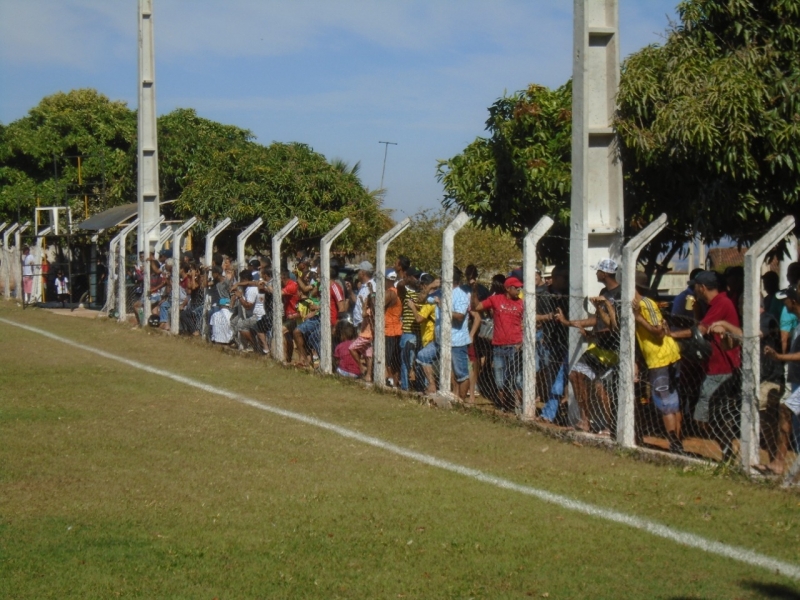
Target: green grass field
<point x="119" y="483"/>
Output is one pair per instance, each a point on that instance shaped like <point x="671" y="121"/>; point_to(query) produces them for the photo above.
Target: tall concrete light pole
<point x="147" y="183"/>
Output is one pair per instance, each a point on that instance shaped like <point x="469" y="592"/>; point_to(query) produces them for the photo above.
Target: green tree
<point x="522" y="171"/>
<point x="709" y="124"/>
<point x="488" y="248"/>
<point x="209" y="169"/>
<point x="710" y="120"/>
<point x="58" y="130"/>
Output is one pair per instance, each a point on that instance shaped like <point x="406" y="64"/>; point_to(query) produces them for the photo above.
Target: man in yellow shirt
<point x="662" y="357"/>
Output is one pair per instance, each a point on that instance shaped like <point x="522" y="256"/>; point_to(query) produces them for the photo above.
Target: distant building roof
<point x="109" y="218"/>
<point x="722" y="258"/>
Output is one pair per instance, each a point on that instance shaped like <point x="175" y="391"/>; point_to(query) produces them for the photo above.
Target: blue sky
<point x="339" y="76"/>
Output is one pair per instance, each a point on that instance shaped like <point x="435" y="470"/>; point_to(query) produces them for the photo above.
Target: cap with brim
<point x="607" y="265"/>
<point x="790" y="293"/>
<point x="642" y="280"/>
<point x="166" y="254"/>
<point x="704" y="278"/>
<point x="365" y="266"/>
<point x="391" y="274"/>
<point x="224" y="302"/>
<point x="513" y="282"/>
<point x="254" y="262"/>
<point x="548" y="270"/>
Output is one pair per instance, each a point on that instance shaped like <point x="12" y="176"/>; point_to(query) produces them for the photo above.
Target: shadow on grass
<point x="764" y="590"/>
<point x="772" y="590"/>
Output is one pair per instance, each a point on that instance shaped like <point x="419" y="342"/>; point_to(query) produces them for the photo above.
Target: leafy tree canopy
<point x="489" y="249"/>
<point x="709" y="126"/>
<point x="211" y="170"/>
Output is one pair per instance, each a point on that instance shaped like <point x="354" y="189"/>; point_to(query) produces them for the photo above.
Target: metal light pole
<point x="385" y="152"/>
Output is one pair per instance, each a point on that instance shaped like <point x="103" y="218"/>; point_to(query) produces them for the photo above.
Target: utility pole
<point x="385" y="152"/>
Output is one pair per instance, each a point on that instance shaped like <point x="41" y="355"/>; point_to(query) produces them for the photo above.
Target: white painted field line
<point x="687" y="539"/>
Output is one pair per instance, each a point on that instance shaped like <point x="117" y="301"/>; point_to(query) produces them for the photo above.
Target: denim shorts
<point x="664" y="391"/>
<point x="429" y="354"/>
<point x="507" y="367"/>
<point x="460" y="362"/>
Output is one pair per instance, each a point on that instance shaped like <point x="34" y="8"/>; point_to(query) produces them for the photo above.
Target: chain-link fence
<point x="676" y="375"/>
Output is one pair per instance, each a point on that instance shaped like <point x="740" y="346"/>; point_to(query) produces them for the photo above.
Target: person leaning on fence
<point x="393" y="329"/>
<point x="555" y="339"/>
<point x="308" y="333"/>
<point x="363" y="316"/>
<point x="602" y="353"/>
<point x="719" y="384"/>
<point x="789" y="416"/>
<point x="460" y="341"/>
<point x="478" y="345"/>
<point x="507" y="312"/>
<point x="221" y="332"/>
<point x="662" y="357"/>
<point x="408" y="289"/>
<point x="290" y="297"/>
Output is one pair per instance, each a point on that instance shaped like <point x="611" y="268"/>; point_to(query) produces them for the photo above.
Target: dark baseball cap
<point x="705" y="278"/>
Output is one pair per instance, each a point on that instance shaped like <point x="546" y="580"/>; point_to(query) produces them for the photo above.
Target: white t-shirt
<point x="254" y="296"/>
<point x="27" y="266"/>
<point x="62" y="285"/>
<point x="221" y="326"/>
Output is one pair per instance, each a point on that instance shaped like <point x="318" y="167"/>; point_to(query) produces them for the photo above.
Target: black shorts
<point x="393" y="352"/>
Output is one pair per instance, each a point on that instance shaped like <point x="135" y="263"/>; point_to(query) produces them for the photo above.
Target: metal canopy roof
<point x="110" y="218"/>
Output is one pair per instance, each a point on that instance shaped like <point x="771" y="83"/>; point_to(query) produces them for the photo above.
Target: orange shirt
<point x="394" y="324"/>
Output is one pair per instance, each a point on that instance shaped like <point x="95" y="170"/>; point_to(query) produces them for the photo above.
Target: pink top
<point x="345" y="360"/>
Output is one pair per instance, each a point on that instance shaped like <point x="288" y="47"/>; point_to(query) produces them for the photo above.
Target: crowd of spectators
<point x="688" y="353"/>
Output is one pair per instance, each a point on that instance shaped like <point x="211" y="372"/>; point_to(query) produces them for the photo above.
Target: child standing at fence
<point x="62" y="288"/>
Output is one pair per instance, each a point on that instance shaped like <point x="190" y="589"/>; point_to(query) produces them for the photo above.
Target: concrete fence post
<point x="146" y="307"/>
<point x="242" y="238"/>
<point x="7" y="262"/>
<point x="18" y="245"/>
<point x="627" y="331"/>
<point x="529" y="324"/>
<point x="325" y="349"/>
<point x="175" y="303"/>
<point x="379" y="339"/>
<point x="446" y="306"/>
<point x="751" y="344"/>
<point x="277" y="300"/>
<point x="211" y="236"/>
<point x="122" y="296"/>
<point x="166" y="234"/>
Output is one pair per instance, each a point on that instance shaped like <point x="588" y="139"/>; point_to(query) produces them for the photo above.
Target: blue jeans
<point x="311" y="330"/>
<point x="408" y="356"/>
<point x="507" y="367"/>
<point x="550" y="409"/>
<point x="163" y="311"/>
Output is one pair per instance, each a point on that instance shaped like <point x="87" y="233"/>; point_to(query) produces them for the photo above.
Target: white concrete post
<point x="446" y="306"/>
<point x="379" y="335"/>
<point x="211" y="236"/>
<point x="241" y="240"/>
<point x="175" y="308"/>
<point x="627" y="331"/>
<point x="147" y="191"/>
<point x="529" y="325"/>
<point x="751" y="344"/>
<point x="6" y="262"/>
<point x="111" y="299"/>
<point x="3" y="225"/>
<point x="596" y="221"/>
<point x="18" y="245"/>
<point x="166" y="234"/>
<point x="148" y="234"/>
<point x="325" y="349"/>
<point x="122" y="296"/>
<point x="277" y="300"/>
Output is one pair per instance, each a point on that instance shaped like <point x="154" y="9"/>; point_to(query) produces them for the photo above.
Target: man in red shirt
<point x="719" y="382"/>
<point x="290" y="294"/>
<point x="507" y="312"/>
